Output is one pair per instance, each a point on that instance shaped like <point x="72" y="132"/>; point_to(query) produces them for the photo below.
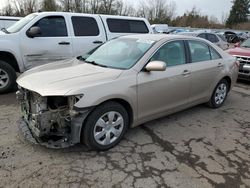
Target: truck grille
<point x="243" y="61"/>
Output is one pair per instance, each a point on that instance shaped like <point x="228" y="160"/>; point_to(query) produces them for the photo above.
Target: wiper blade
<point x="5" y="30"/>
<point x="94" y="63"/>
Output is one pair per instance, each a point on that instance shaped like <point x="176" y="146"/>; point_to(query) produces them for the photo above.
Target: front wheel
<point x="105" y="126"/>
<point x="7" y="77"/>
<point x="219" y="95"/>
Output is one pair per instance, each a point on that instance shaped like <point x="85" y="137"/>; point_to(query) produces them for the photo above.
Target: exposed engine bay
<point x="53" y="119"/>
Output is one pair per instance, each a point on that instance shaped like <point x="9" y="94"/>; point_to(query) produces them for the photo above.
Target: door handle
<point x="97" y="42"/>
<point x="186" y="72"/>
<point x="220" y="65"/>
<point x="64" y="43"/>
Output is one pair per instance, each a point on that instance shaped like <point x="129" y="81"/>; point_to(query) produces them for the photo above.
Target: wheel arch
<point x="229" y="81"/>
<point x="125" y="104"/>
<point x="10" y="59"/>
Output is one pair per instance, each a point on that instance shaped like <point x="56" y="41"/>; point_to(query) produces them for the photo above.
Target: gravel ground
<point x="199" y="147"/>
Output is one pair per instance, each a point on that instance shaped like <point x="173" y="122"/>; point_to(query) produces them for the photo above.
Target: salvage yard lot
<point x="199" y="147"/>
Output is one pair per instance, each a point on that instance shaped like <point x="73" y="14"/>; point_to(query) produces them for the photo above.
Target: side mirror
<point x="34" y="32"/>
<point x="156" y="66"/>
<point x="237" y="44"/>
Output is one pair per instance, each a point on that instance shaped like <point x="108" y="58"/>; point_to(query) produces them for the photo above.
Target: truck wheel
<point x="105" y="126"/>
<point x="7" y="77"/>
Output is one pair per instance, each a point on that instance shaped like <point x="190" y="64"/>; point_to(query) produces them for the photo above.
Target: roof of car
<point x="156" y="37"/>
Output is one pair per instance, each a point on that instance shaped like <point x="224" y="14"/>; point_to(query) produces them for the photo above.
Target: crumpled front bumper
<point x="75" y="136"/>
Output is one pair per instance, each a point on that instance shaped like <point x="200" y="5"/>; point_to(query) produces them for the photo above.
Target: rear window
<point x="85" y="26"/>
<point x="202" y="35"/>
<point x="212" y="38"/>
<point x="126" y="26"/>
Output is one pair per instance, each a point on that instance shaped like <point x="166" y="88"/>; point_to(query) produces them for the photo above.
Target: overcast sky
<point x="208" y="7"/>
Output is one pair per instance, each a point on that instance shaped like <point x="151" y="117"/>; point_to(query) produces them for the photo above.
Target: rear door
<point x="160" y="92"/>
<point x="53" y="44"/>
<point x="206" y="65"/>
<point x="88" y="33"/>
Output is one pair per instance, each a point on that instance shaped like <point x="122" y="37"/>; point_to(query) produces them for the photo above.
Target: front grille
<point x="243" y="60"/>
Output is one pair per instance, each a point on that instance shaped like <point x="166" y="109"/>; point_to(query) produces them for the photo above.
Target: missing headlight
<point x="57" y="102"/>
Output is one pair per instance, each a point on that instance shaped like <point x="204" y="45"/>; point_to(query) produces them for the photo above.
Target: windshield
<point x="246" y="44"/>
<point x="121" y="53"/>
<point x="21" y="23"/>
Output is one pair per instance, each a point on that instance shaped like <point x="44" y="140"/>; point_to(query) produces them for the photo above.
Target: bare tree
<point x="66" y="5"/>
<point x="124" y="9"/>
<point x="7" y="10"/>
<point x="157" y="11"/>
<point x="24" y="7"/>
<point x="48" y="5"/>
<point x="94" y="6"/>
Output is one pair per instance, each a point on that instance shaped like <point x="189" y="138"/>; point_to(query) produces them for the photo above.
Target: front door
<point x="161" y="92"/>
<point x="53" y="44"/>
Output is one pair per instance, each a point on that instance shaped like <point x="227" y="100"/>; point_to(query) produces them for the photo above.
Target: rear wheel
<point x="7" y="77"/>
<point x="105" y="126"/>
<point x="219" y="95"/>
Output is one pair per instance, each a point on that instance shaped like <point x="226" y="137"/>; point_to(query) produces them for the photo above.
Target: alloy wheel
<point x="221" y="93"/>
<point x="108" y="128"/>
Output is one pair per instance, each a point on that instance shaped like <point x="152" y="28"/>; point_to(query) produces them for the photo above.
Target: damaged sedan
<point x="95" y="98"/>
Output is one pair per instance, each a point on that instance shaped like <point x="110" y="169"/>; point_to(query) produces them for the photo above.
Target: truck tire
<point x="7" y="77"/>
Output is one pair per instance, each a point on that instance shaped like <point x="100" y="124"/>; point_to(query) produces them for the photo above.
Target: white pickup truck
<point x="45" y="37"/>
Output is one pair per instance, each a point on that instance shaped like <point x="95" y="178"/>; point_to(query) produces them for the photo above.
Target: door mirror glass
<point x="156" y="66"/>
<point x="34" y="32"/>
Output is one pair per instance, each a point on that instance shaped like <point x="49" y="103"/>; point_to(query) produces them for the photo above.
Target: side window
<point x="214" y="54"/>
<point x="85" y="26"/>
<point x="52" y="26"/>
<point x="202" y="35"/>
<point x="199" y="51"/>
<point x="126" y="26"/>
<point x="212" y="38"/>
<point x="172" y="53"/>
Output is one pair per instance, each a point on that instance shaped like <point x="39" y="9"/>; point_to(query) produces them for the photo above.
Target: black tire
<point x="212" y="102"/>
<point x="88" y="129"/>
<point x="11" y="83"/>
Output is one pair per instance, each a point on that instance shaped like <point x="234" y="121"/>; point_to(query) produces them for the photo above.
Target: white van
<point x="44" y="37"/>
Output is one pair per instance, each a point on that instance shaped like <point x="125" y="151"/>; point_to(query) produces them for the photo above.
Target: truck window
<point x="126" y="26"/>
<point x="52" y="26"/>
<point x="85" y="26"/>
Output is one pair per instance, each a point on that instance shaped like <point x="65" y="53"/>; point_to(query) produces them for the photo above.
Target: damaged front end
<point x="51" y="121"/>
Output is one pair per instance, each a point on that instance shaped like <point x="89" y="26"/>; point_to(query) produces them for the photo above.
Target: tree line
<point x="156" y="11"/>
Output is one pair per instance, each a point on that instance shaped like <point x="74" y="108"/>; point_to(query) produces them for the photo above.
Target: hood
<point x="239" y="51"/>
<point x="62" y="77"/>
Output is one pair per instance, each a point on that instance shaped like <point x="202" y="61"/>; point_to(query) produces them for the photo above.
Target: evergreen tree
<point x="238" y="13"/>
